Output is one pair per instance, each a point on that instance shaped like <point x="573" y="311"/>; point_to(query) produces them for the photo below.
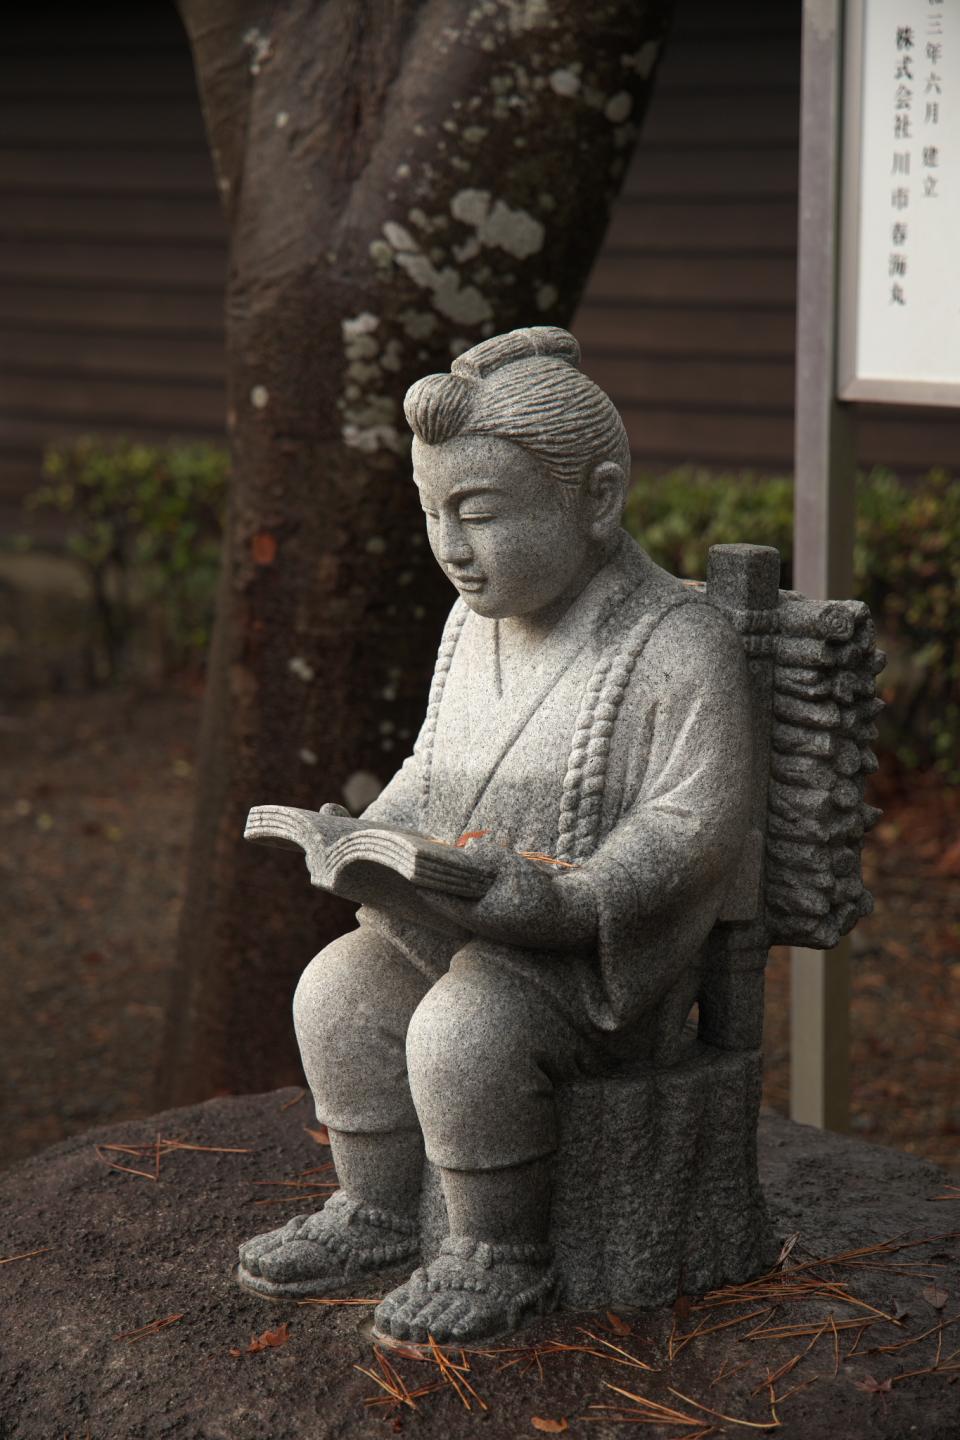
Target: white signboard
<point x="900" y="277"/>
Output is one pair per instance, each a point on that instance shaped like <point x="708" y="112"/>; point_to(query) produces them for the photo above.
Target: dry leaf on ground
<point x="617" y="1324"/>
<point x="935" y="1296"/>
<point x="872" y="1386"/>
<point x="322" y="1136"/>
<point x="269" y="1340"/>
<point x="549" y="1427"/>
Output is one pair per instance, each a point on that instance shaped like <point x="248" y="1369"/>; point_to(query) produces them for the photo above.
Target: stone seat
<point x="646" y="1204"/>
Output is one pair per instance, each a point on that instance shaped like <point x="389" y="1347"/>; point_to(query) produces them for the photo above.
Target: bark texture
<point x="401" y="178"/>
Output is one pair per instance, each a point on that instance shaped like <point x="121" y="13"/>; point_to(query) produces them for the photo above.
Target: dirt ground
<point x="119" y="1300"/>
<point x="95" y="799"/>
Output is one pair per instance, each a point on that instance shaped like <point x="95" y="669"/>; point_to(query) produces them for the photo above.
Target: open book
<point x="345" y="855"/>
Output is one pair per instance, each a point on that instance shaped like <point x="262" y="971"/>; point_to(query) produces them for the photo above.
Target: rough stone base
<point x="657" y="1192"/>
<point x="125" y="1251"/>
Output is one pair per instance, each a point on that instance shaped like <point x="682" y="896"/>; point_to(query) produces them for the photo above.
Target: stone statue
<point x="592" y="744"/>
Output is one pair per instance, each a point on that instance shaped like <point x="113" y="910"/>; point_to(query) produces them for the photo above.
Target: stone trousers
<point x="471" y="1058"/>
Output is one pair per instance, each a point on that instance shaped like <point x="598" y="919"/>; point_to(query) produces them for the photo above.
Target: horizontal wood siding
<point x="113" y="249"/>
<point x="688" y="318"/>
<point x="112" y="245"/>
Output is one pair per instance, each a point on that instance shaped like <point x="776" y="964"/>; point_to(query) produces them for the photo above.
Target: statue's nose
<point x="456" y="551"/>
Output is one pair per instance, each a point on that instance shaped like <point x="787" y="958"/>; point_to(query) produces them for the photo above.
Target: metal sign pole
<point x="824" y="476"/>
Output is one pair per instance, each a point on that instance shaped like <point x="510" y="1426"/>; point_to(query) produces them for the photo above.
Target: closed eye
<point x="478" y="518"/>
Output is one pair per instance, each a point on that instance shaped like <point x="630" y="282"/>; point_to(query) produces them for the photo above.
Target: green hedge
<point x="145" y="523"/>
<point x="907" y="566"/>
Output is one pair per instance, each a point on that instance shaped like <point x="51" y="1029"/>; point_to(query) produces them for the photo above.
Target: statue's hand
<point x="332" y="808"/>
<point x="529" y="903"/>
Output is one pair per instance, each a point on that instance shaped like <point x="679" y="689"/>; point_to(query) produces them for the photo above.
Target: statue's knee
<point x="456" y="1034"/>
<point x="433" y="1036"/>
<point x="331" y="991"/>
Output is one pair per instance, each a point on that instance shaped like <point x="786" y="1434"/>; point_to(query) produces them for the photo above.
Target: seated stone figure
<point x="589" y="709"/>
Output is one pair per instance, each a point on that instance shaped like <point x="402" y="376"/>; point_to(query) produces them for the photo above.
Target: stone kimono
<point x="623" y="751"/>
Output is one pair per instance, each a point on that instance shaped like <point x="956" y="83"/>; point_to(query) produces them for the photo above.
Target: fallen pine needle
<point x="126" y="1169"/>
<point x="652" y="1410"/>
<point x="676" y="1417"/>
<point x="772" y="1424"/>
<point x="950" y="1366"/>
<point x="915" y="1339"/>
<point x="454" y="1375"/>
<point x="154" y="1151"/>
<point x="27" y="1255"/>
<point x="768" y="1382"/>
<point x="700" y="1331"/>
<point x="392" y="1383"/>
<point x="796" y="1332"/>
<point x="289" y="1104"/>
<point x="153" y="1328"/>
<point x="626" y="1357"/>
<point x="209" y="1149"/>
<point x="353" y="1300"/>
<point x="293" y="1184"/>
<point x="855" y="1347"/>
<point x="546" y="859"/>
<point x="301" y="1195"/>
<point x="847" y="1299"/>
<point x="396" y="1390"/>
<point x="794" y="1389"/>
<point x="723" y="1374"/>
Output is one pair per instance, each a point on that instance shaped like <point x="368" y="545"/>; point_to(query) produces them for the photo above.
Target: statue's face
<point x="501" y="528"/>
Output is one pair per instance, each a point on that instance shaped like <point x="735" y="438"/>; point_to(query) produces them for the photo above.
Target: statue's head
<point x="522" y="465"/>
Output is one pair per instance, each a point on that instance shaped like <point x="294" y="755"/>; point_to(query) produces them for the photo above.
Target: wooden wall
<point x="112" y="248"/>
<point x="112" y="245"/>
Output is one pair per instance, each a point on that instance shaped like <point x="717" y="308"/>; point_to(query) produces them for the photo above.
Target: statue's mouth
<point x="469" y="583"/>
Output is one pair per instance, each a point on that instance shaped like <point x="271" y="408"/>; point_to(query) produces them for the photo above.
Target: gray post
<point x="824" y="514"/>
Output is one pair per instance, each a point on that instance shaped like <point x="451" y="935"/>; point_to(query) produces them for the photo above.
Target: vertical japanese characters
<point x="917" y="71"/>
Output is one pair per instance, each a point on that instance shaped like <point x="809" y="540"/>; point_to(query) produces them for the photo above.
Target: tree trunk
<point x="401" y="179"/>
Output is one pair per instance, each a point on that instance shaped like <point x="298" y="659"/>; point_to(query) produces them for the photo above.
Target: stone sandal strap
<point x="487" y="1253"/>
<point x="355" y="1212"/>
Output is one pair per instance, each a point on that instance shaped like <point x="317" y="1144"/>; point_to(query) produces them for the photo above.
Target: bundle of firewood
<point x="824" y="708"/>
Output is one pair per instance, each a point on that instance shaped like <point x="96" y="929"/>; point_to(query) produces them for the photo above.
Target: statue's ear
<point x="607" y="488"/>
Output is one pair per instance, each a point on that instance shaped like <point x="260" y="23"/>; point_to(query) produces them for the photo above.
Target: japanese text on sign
<point x="900" y="299"/>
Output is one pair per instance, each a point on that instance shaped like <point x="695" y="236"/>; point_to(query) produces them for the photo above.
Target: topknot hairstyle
<point x="524" y="387"/>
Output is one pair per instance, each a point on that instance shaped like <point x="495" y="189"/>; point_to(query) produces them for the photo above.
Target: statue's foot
<point x="474" y="1290"/>
<point x="319" y="1254"/>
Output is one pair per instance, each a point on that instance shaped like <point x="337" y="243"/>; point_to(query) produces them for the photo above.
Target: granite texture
<point x="646" y="1204"/>
<point x="591" y="710"/>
